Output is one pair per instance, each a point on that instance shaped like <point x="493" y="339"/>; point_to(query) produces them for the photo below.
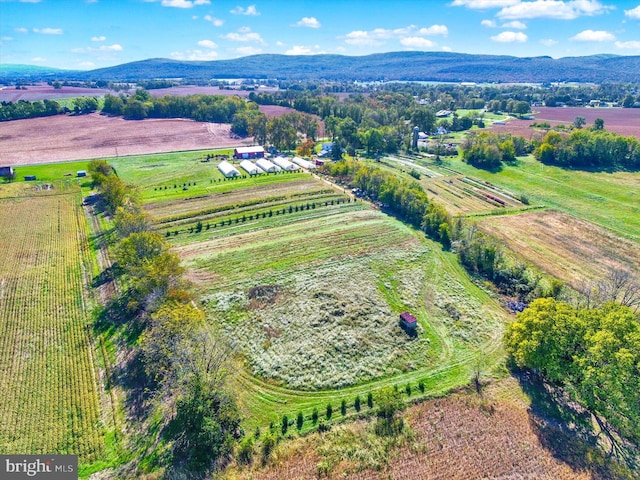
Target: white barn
<point x="285" y="164"/>
<point x="267" y="166"/>
<point x="250" y="167"/>
<point x="228" y="170"/>
<point x="303" y="163"/>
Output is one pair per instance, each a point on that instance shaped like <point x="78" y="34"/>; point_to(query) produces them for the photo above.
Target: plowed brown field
<point x="60" y="138"/>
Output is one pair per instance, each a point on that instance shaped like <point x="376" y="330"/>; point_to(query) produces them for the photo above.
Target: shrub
<point x="407" y="389"/>
<point x="300" y="421"/>
<point x="421" y="386"/>
<point x="370" y="400"/>
<point x="329" y="411"/>
<point x="314" y="416"/>
<point x="356" y="404"/>
<point x="285" y="424"/>
<point x="343" y="407"/>
<point x="245" y="451"/>
<point x="268" y="444"/>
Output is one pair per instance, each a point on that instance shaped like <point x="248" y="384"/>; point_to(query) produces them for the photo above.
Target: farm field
<point x="48" y="377"/>
<point x="499" y="435"/>
<point x="96" y="136"/>
<point x="311" y="298"/>
<point x="625" y="121"/>
<point x="609" y="200"/>
<point x="567" y="248"/>
<point x="459" y="194"/>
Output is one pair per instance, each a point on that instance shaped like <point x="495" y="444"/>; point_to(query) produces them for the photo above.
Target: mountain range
<point x="400" y="66"/>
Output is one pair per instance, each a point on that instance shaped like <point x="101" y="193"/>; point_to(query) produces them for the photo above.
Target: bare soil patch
<point x="47" y="92"/>
<point x="624" y="121"/>
<point x="60" y="138"/>
<point x="567" y="248"/>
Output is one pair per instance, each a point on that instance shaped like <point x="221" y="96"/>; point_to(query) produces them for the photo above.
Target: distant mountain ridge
<point x="402" y="66"/>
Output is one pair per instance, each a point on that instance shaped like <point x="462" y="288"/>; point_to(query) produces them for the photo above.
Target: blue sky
<point x="86" y="34"/>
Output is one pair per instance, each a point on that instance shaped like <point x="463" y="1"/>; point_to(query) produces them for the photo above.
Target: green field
<point x="337" y="276"/>
<point x="48" y="378"/>
<point x="610" y="200"/>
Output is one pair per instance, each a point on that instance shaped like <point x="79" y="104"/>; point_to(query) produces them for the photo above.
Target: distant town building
<point x="249" y="152"/>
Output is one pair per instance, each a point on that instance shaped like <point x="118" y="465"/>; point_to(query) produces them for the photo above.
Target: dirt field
<point x="500" y="435"/>
<point x="625" y="121"/>
<point x="43" y="92"/>
<point x="60" y="138"/>
<point x="564" y="246"/>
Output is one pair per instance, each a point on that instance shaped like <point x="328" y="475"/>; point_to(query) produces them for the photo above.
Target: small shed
<point x="250" y="167"/>
<point x="267" y="166"/>
<point x="6" y="171"/>
<point x="81" y="173"/>
<point x="29" y="178"/>
<point x="303" y="163"/>
<point x="408" y="321"/>
<point x="285" y="164"/>
<point x="228" y="170"/>
<point x="249" y="152"/>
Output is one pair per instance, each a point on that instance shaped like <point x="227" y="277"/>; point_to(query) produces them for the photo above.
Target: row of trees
<point x="185" y="364"/>
<point x="593" y="353"/>
<point x="488" y="150"/>
<point x="594" y="148"/>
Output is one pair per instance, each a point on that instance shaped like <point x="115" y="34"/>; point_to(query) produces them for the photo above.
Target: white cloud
<point x="20" y="30"/>
<point x="102" y="48"/>
<point x="48" y="31"/>
<point x="244" y="34"/>
<point x="250" y="10"/>
<point x="86" y="64"/>
<point x="101" y="38"/>
<point x="593" y="36"/>
<point x="488" y="23"/>
<point x="248" y="50"/>
<point x="184" y="3"/>
<point x="417" y="42"/>
<point x="280" y="44"/>
<point x="632" y="44"/>
<point x="548" y="42"/>
<point x="510" y="37"/>
<point x="38" y="59"/>
<point x="30" y="1"/>
<point x="434" y="30"/>
<point x="515" y="24"/>
<point x="557" y="9"/>
<point x="447" y="49"/>
<point x="311" y="22"/>
<point x="195" y="55"/>
<point x="299" y="50"/>
<point x="378" y="36"/>
<point x="633" y="13"/>
<point x="207" y="44"/>
<point x="6" y="39"/>
<point x="216" y="22"/>
<point x="483" y="4"/>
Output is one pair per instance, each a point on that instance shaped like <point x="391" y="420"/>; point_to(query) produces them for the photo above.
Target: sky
<point x="88" y="34"/>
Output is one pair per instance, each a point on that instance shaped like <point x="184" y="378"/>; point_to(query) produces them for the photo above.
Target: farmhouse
<point x="285" y="164"/>
<point x="267" y="166"/>
<point x="6" y="171"/>
<point x="303" y="163"/>
<point x="81" y="173"/>
<point x="228" y="170"/>
<point x="249" y="152"/>
<point x="250" y="167"/>
<point x="408" y="321"/>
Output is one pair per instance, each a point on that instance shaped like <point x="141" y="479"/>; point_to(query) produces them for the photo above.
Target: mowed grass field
<point x="564" y="246"/>
<point x="609" y="200"/>
<point x="310" y="294"/>
<point x="48" y="379"/>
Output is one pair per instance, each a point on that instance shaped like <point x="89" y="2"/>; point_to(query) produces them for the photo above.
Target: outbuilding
<point x="408" y="321"/>
<point x="249" y="152"/>
<point x="303" y="163"/>
<point x="228" y="170"/>
<point x="250" y="167"/>
<point x="285" y="164"/>
<point x="6" y="171"/>
<point x="267" y="166"/>
<point x="81" y="173"/>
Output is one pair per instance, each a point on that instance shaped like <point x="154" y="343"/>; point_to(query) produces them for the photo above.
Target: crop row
<point x="48" y="383"/>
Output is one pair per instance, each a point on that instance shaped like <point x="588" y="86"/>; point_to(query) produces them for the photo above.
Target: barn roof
<point x="407" y="317"/>
<point x="255" y="149"/>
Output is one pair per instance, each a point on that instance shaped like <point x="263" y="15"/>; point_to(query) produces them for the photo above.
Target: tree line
<point x="184" y="363"/>
<point x="589" y="148"/>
